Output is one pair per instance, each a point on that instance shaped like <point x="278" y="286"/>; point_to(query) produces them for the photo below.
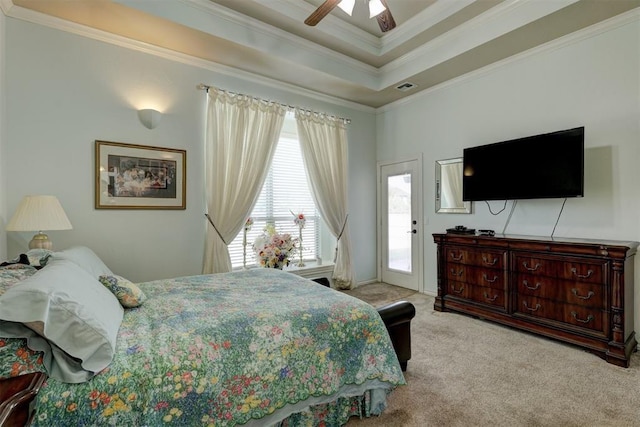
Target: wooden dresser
<point x="574" y="290"/>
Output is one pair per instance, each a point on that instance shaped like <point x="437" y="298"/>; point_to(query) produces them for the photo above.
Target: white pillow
<point x="85" y="258"/>
<point x="76" y="315"/>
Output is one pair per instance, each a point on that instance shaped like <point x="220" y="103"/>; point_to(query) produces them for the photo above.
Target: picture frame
<point x="131" y="176"/>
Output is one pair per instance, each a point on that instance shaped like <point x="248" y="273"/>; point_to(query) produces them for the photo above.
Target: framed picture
<point x="130" y="176"/>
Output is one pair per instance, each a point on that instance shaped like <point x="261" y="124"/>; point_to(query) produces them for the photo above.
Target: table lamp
<point x="37" y="213"/>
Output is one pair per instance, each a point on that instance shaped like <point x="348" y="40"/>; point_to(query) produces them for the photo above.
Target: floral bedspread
<point x="229" y="349"/>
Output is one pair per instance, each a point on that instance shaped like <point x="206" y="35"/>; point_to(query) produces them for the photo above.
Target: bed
<point x="254" y="347"/>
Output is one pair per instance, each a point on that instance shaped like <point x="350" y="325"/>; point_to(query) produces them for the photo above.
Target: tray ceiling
<point x="343" y="57"/>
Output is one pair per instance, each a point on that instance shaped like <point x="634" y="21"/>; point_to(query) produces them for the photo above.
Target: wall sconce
<point x="149" y="117"/>
<point x="37" y="213"/>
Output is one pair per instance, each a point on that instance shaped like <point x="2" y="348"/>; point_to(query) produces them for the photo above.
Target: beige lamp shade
<point x="38" y="213"/>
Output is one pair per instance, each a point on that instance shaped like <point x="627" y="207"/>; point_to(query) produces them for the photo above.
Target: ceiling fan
<point x="377" y="9"/>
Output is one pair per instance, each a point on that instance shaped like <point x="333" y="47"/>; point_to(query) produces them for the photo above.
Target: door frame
<point x="420" y="215"/>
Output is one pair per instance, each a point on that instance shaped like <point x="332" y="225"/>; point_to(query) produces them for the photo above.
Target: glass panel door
<point x="399" y="229"/>
<point x="400" y="211"/>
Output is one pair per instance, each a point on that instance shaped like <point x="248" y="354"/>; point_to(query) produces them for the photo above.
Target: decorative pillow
<point x="129" y="294"/>
<point x="66" y="313"/>
<point x="85" y="258"/>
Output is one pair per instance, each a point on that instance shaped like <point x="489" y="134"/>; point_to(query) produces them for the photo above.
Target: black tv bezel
<point x="524" y="142"/>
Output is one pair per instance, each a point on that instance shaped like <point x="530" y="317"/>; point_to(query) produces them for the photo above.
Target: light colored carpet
<point x="469" y="372"/>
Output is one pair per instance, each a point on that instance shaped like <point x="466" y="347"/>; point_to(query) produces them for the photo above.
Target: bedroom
<point x="61" y="91"/>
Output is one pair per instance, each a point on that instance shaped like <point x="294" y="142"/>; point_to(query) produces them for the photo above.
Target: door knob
<point x="412" y="231"/>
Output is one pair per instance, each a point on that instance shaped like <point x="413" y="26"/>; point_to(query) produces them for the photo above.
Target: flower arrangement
<point x="273" y="250"/>
<point x="248" y="224"/>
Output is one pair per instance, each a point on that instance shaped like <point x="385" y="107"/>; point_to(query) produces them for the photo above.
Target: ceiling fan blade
<point x="385" y="19"/>
<point x="321" y="12"/>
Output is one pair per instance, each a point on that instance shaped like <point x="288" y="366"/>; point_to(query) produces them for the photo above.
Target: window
<point x="285" y="191"/>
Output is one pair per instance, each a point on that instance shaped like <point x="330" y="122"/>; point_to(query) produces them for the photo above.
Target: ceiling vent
<point x="406" y="86"/>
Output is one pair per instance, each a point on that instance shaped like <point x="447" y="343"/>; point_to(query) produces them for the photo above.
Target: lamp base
<point x="40" y="241"/>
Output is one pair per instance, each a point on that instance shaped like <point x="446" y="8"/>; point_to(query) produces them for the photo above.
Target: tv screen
<point x="543" y="166"/>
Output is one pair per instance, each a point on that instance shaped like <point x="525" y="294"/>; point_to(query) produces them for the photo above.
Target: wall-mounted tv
<point x="549" y="165"/>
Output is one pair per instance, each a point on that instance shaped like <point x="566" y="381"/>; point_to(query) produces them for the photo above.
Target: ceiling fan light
<point x="347" y="6"/>
<point x="376" y="8"/>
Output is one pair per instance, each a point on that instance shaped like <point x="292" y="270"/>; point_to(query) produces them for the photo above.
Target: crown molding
<point x="347" y="33"/>
<point x="492" y="24"/>
<point x="559" y="43"/>
<point x="106" y="37"/>
<point x="421" y="22"/>
<point x="215" y="20"/>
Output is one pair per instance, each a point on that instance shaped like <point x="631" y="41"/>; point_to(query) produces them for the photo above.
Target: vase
<point x="301" y="262"/>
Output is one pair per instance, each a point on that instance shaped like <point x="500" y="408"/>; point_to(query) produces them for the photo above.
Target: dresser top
<point x="535" y="242"/>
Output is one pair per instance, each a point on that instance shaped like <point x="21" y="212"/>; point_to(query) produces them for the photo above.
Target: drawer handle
<point x="458" y="258"/>
<point x="589" y="317"/>
<point x="486" y="260"/>
<point x="457" y="291"/>
<point x="459" y="273"/>
<point x="575" y="292"/>
<point x="531" y="288"/>
<point x="531" y="268"/>
<point x="581" y="276"/>
<point x="484" y="276"/>
<point x="486" y="296"/>
<point x="537" y="307"/>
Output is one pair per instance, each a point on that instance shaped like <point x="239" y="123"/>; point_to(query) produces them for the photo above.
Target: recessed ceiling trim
<point x="426" y="19"/>
<point x="221" y="22"/>
<point x="350" y="34"/>
<point x="491" y="24"/>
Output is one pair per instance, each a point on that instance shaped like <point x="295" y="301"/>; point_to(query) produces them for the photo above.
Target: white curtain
<point x="241" y="137"/>
<point x="323" y="141"/>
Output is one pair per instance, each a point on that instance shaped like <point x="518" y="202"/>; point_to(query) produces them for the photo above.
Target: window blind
<point x="285" y="191"/>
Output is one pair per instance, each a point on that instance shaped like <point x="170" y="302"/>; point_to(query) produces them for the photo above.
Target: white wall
<point x="65" y="91"/>
<point x="592" y="82"/>
<point x="3" y="169"/>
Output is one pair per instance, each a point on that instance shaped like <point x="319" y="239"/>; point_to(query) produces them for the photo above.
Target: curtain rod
<point x="203" y="86"/>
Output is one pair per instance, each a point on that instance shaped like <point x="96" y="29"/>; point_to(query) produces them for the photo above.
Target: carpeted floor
<point x="469" y="372"/>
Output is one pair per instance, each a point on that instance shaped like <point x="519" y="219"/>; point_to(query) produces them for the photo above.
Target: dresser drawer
<point x="493" y="259"/>
<point x="481" y="294"/>
<point x="573" y="292"/>
<point x="584" y="317"/>
<point x="480" y="276"/>
<point x="459" y="289"/>
<point x="590" y="272"/>
<point x="490" y="296"/>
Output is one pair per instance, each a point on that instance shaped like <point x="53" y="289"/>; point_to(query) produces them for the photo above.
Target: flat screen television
<point x="549" y="165"/>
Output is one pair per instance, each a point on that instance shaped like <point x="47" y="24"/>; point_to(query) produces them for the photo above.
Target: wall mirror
<point x="449" y="187"/>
